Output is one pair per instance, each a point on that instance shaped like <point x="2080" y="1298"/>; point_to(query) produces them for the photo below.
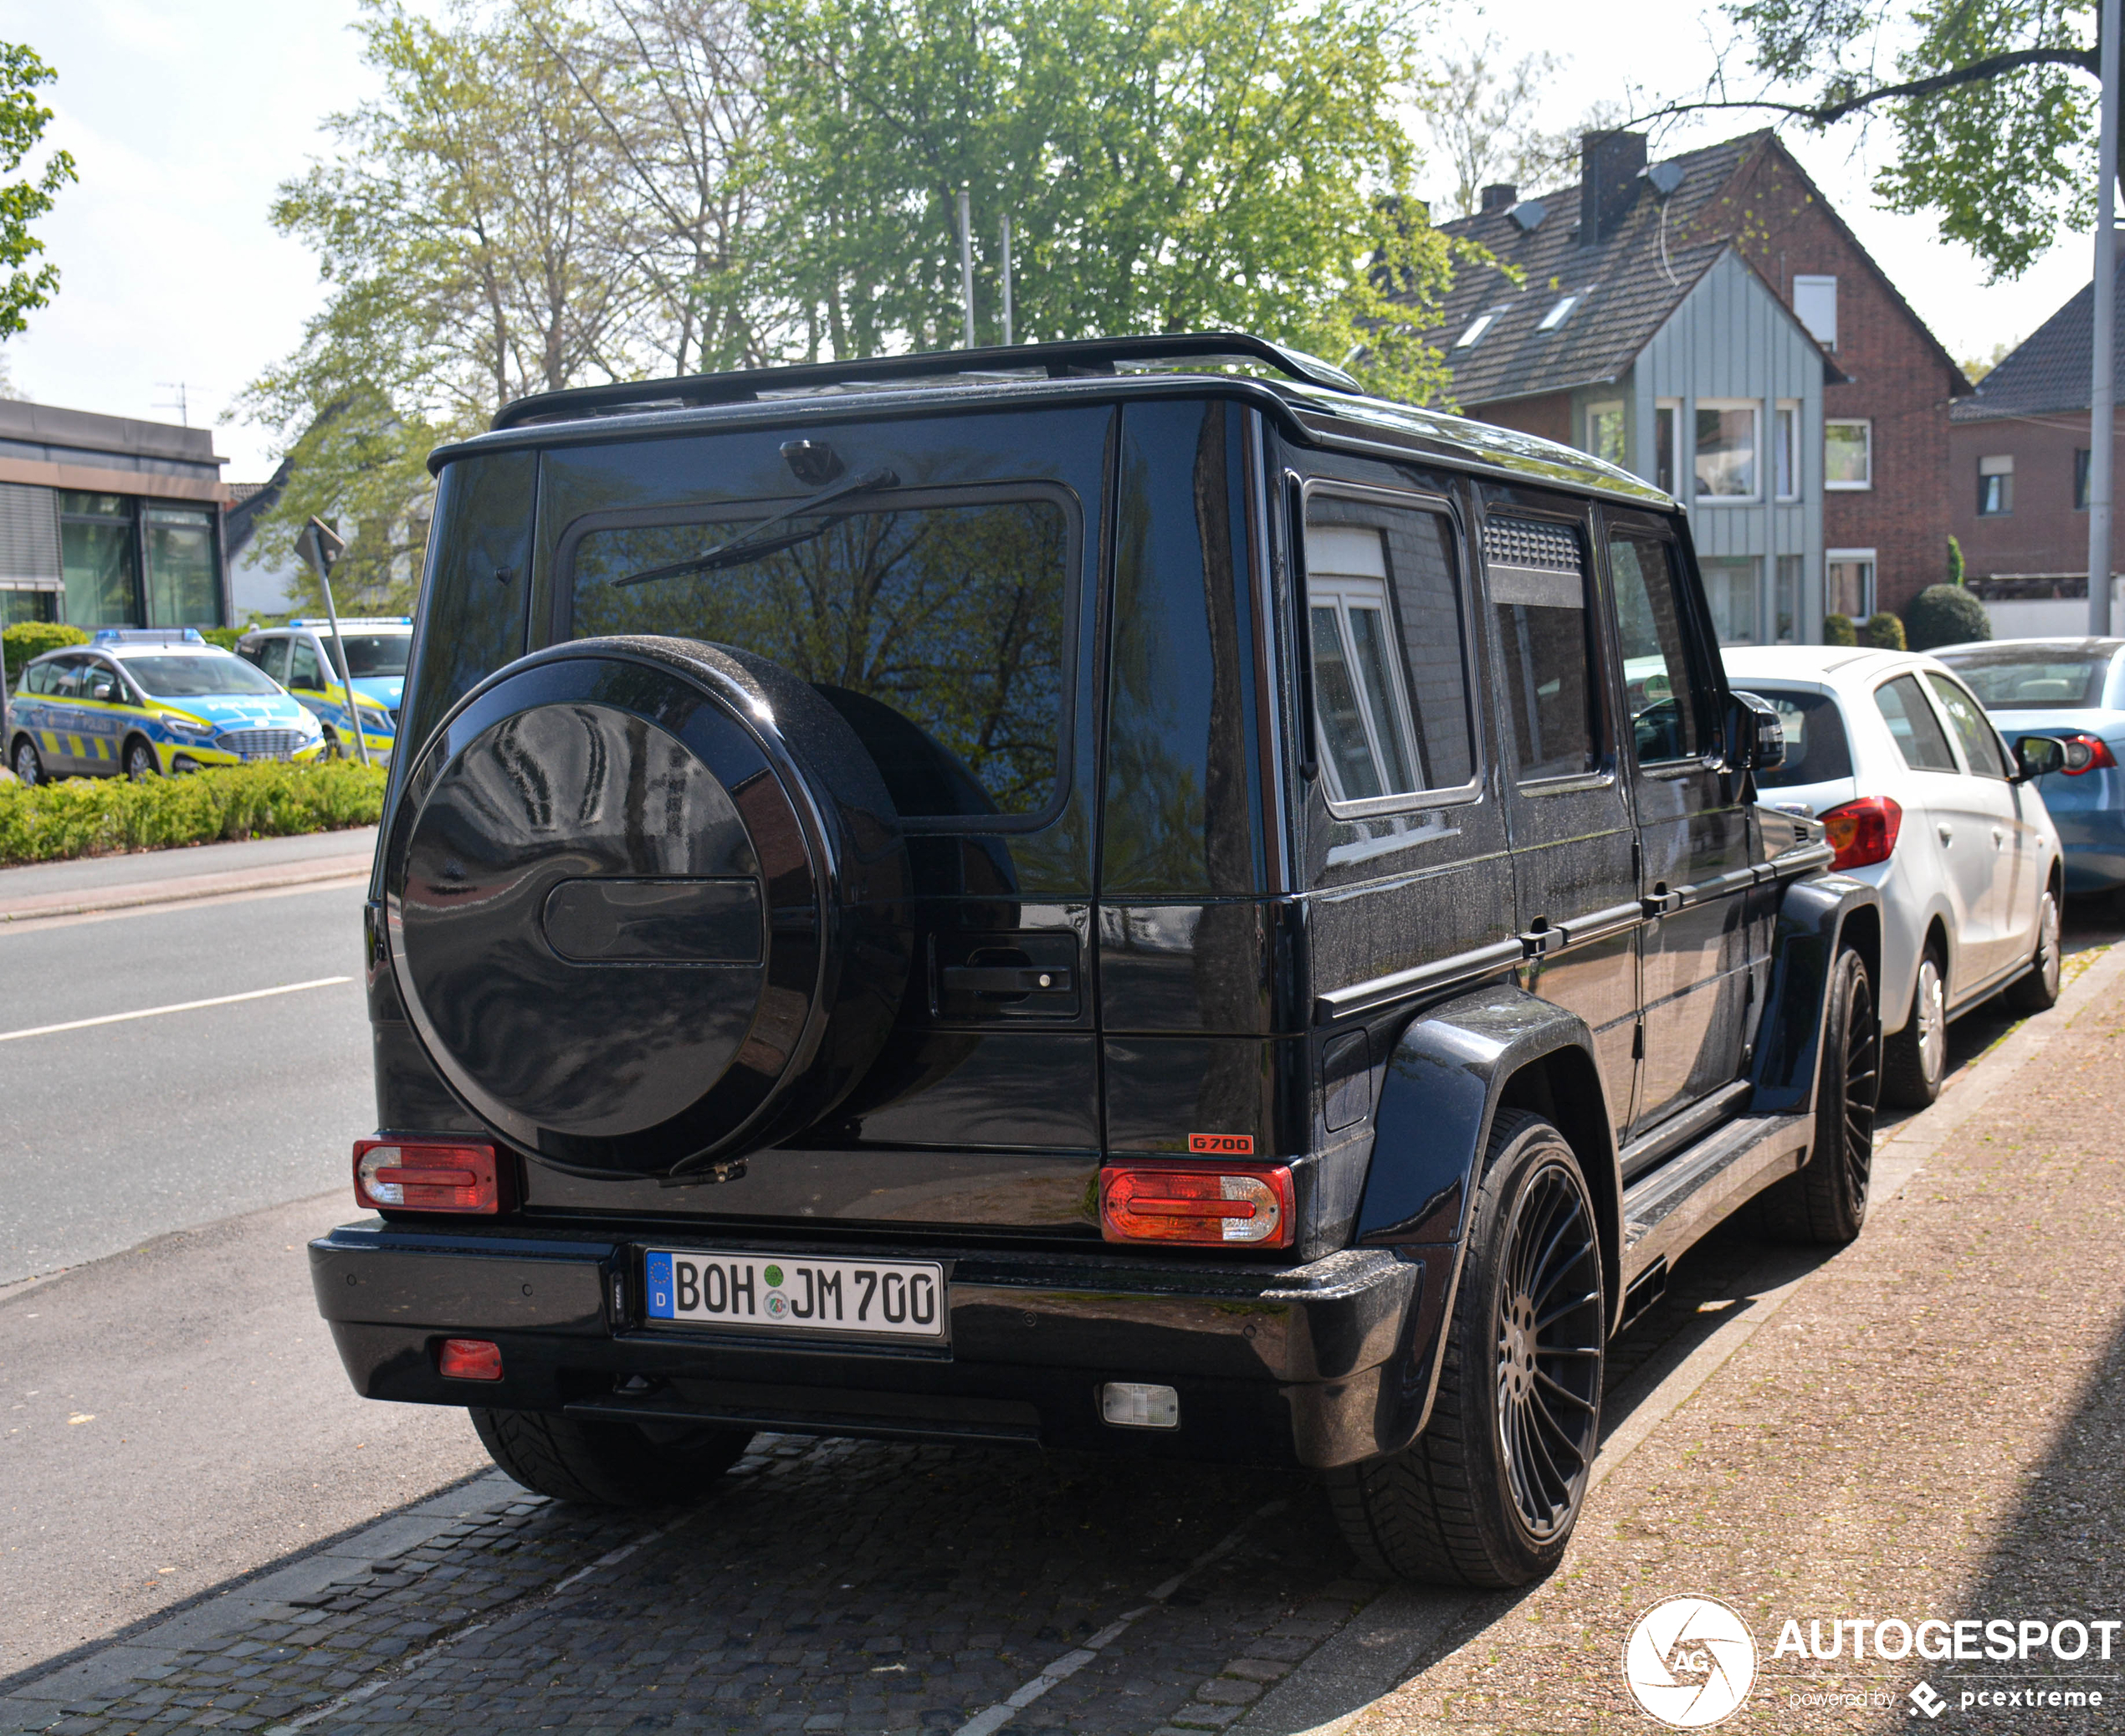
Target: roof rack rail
<point x="1073" y="359"/>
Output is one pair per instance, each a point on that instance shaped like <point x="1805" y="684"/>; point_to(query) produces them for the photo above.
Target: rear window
<point x="2032" y="682"/>
<point x="1817" y="749"/>
<point x="938" y="629"/>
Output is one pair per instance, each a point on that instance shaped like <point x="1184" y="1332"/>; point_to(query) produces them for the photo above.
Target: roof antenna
<point x="1665" y="178"/>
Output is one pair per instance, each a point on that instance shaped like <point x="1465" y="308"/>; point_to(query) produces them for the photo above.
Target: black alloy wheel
<point x="2037" y="989"/>
<point x="1825" y="1203"/>
<point x="29" y="765"/>
<point x="1489" y="1493"/>
<point x="140" y="762"/>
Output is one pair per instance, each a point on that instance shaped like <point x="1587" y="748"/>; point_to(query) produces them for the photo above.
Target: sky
<point x="183" y="116"/>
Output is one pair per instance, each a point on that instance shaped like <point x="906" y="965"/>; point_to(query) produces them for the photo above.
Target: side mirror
<point x="1759" y="735"/>
<point x="2039" y="755"/>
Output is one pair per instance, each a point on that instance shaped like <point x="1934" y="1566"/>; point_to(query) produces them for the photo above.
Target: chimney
<point x="1608" y="182"/>
<point x="1500" y="198"/>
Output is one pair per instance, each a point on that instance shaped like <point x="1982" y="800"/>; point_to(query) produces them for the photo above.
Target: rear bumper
<point x="1321" y="1365"/>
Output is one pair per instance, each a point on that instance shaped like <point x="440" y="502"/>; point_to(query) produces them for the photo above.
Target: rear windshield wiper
<point x="751" y="544"/>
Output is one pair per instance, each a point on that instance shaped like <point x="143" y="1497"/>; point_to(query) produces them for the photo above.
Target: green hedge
<point x="27" y="639"/>
<point x="1945" y="615"/>
<point x="103" y="815"/>
<point x="1885" y="631"/>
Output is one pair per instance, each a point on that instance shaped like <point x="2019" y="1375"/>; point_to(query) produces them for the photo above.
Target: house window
<point x="2081" y="478"/>
<point x="1726" y="450"/>
<point x="1558" y="314"/>
<point x="1667" y="414"/>
<point x="1732" y="587"/>
<point x="1477" y="327"/>
<point x="1785" y="445"/>
<point x="1995" y="486"/>
<point x="97" y="553"/>
<point x="1786" y="605"/>
<point x="1370" y="750"/>
<point x="1849" y="586"/>
<point x="1848" y="455"/>
<point x="1814" y="305"/>
<point x="1605" y="432"/>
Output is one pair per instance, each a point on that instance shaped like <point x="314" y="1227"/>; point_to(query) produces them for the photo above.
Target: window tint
<point x="1981" y="748"/>
<point x="1537" y="587"/>
<point x="936" y="629"/>
<point x="2026" y="680"/>
<point x="1664" y="703"/>
<point x="275" y="661"/>
<point x="1389" y="687"/>
<point x="1816" y="746"/>
<point x="1912" y="721"/>
<point x="372" y="655"/>
<point x="309" y="674"/>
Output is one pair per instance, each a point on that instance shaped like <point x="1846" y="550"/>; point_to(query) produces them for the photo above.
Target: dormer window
<point x="1558" y="314"/>
<point x="1477" y="327"/>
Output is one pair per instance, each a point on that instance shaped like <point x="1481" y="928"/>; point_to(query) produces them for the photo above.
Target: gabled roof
<point x="2053" y="369"/>
<point x="1629" y="287"/>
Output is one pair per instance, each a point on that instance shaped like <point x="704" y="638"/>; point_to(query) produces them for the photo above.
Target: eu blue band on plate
<point x="657" y="1272"/>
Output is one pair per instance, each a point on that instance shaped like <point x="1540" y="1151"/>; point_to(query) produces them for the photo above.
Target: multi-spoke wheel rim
<point x="1549" y="1338"/>
<point x="1932" y="1020"/>
<point x="2048" y="961"/>
<point x="138" y="765"/>
<point x="26" y="764"/>
<point x="1863" y="1081"/>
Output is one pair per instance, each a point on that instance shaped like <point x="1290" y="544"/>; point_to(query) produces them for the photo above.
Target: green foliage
<point x="224" y="637"/>
<point x="1955" y="561"/>
<point x="101" y="815"/>
<point x="23" y="121"/>
<point x="1839" y="630"/>
<point x="1945" y="615"/>
<point x="27" y="639"/>
<point x="1885" y="631"/>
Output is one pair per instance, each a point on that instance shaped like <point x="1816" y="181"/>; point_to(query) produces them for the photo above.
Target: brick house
<point x="1729" y="338"/>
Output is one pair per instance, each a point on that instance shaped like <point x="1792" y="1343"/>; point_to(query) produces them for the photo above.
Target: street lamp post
<point x="2103" y="403"/>
<point x="321" y="546"/>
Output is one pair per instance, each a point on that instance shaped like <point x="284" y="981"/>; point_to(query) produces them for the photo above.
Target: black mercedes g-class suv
<point x="1111" y="895"/>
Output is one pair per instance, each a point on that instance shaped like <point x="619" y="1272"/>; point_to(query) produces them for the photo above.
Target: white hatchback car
<point x="1923" y="799"/>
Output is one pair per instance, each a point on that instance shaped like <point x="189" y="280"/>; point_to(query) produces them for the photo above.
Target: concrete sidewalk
<point x="157" y="877"/>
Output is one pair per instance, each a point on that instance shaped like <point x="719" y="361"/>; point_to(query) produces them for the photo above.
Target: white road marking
<point x="157" y="1013"/>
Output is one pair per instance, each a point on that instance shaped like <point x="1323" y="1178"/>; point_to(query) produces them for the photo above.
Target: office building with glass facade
<point x="109" y="522"/>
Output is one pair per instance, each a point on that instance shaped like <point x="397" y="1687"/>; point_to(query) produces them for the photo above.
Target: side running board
<point x="1665" y="1212"/>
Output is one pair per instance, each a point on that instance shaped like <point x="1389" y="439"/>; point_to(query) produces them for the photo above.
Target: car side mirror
<point x="2039" y="755"/>
<point x="1759" y="733"/>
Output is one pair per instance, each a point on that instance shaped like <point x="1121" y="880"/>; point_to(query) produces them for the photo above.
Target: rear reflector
<point x="1217" y="1205"/>
<point x="418" y="1175"/>
<point x="470" y="1359"/>
<point x="1864" y="832"/>
<point x="1130" y="1405"/>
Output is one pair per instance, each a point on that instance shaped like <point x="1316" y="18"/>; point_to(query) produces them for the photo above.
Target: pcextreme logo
<point x="1690" y="1662"/>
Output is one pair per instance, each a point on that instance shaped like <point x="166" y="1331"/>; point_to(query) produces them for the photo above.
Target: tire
<point x="1488" y="1494"/>
<point x="28" y="763"/>
<point x="1825" y="1203"/>
<point x="140" y="762"/>
<point x="1915" y="1060"/>
<point x="608" y="1464"/>
<point x="2037" y="989"/>
<point x="333" y="751"/>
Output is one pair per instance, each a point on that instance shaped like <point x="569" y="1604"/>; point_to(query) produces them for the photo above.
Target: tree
<point x="1945" y="615"/>
<point x="1167" y="167"/>
<point x="23" y="121"/>
<point x="1484" y="118"/>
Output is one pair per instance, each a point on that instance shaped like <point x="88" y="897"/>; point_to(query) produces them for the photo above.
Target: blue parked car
<point x="148" y="702"/>
<point x="2073" y="689"/>
<point x="300" y="657"/>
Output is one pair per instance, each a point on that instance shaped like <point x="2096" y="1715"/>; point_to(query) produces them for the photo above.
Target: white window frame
<point x="1326" y="589"/>
<point x="1671" y="408"/>
<point x="1754" y="565"/>
<point x="1830" y="557"/>
<point x="1606" y="407"/>
<point x="1997" y="464"/>
<point x="1816" y="283"/>
<point x="1558" y="314"/>
<point x="1475" y="328"/>
<point x="1785" y="449"/>
<point x="1866" y="423"/>
<point x="1756" y="408"/>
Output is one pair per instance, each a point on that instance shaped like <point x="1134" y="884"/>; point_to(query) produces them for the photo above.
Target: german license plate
<point x="265" y="756"/>
<point x="788" y="1292"/>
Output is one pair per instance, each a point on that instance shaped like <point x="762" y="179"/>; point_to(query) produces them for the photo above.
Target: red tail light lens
<point x="2086" y="753"/>
<point x="1217" y="1205"/>
<point x="418" y="1175"/>
<point x="469" y="1359"/>
<point x="1864" y="831"/>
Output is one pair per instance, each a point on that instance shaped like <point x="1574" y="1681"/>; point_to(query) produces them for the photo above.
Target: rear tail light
<point x="2086" y="753"/>
<point x="469" y="1359"/>
<point x="1863" y="832"/>
<point x="423" y="1176"/>
<point x="1216" y="1205"/>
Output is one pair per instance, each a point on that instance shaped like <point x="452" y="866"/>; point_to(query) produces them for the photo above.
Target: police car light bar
<point x="347" y="621"/>
<point x="146" y="635"/>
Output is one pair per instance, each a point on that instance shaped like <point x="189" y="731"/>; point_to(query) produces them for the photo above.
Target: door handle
<point x="1946" y="830"/>
<point x="1005" y="980"/>
<point x="1998" y="837"/>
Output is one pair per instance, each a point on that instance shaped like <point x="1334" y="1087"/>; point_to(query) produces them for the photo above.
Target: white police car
<point x="300" y="657"/>
<point x="148" y="701"/>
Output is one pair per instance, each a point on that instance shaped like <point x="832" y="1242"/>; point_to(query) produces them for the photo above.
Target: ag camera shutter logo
<point x="1690" y="1662"/>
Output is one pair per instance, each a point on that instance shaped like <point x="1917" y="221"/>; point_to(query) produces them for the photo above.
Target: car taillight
<point x="421" y="1176"/>
<point x="1864" y="831"/>
<point x="469" y="1359"/>
<point x="2086" y="753"/>
<point x="1216" y="1205"/>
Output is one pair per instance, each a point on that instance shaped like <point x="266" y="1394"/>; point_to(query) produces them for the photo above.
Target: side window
<point x="1981" y="748"/>
<point x="101" y="684"/>
<point x="1912" y="721"/>
<point x="66" y="679"/>
<point x="273" y="659"/>
<point x="1390" y="693"/>
<point x="1537" y="573"/>
<point x="38" y="677"/>
<point x="1666" y="702"/>
<point x="308" y="674"/>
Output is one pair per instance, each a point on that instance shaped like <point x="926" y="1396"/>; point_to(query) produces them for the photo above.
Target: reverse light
<point x="424" y="1176"/>
<point x="1132" y="1405"/>
<point x="1221" y="1205"/>
<point x="1863" y="832"/>
<point x="469" y="1359"/>
<point x="2086" y="753"/>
